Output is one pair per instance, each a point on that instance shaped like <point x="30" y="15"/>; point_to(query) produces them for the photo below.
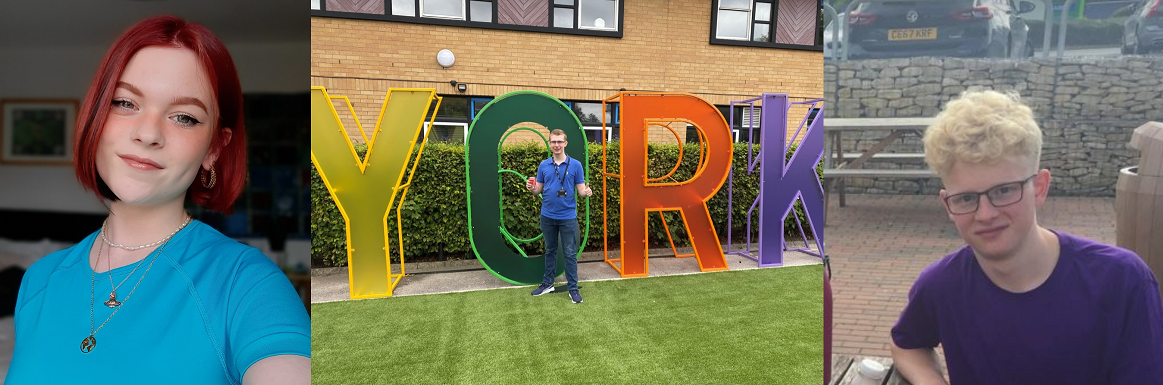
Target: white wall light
<point x="445" y="58"/>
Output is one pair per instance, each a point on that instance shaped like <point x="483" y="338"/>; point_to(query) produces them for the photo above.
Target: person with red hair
<point x="162" y="121"/>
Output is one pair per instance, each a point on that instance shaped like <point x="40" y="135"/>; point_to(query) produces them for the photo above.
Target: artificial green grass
<point x="747" y="326"/>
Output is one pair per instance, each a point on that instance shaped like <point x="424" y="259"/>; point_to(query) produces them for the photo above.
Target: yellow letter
<point x="365" y="190"/>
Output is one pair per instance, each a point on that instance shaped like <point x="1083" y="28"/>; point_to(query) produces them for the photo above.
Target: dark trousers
<point x="563" y="233"/>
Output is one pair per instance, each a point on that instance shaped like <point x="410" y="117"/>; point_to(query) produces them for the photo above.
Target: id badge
<point x="561" y="193"/>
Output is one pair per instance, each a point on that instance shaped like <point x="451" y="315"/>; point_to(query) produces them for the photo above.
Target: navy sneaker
<point x="575" y="296"/>
<point x="542" y="289"/>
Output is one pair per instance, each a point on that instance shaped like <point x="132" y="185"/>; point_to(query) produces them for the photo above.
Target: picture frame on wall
<point x="37" y="131"/>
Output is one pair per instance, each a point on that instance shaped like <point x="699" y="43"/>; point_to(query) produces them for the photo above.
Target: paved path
<point x="879" y="243"/>
<point x="329" y="285"/>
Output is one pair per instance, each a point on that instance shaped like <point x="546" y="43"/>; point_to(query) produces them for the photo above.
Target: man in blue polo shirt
<point x="557" y="177"/>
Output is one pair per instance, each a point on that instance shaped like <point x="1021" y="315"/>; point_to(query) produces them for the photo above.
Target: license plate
<point x="912" y="34"/>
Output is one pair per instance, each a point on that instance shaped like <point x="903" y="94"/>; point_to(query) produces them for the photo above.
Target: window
<point x="404" y="7"/>
<point x="477" y="105"/>
<point x="753" y="23"/>
<point x="734" y="15"/>
<point x="591" y="117"/>
<point x="590" y="114"/>
<point x="452" y="108"/>
<point x="594" y="134"/>
<point x="452" y="119"/>
<point x="481" y="11"/>
<point x="744" y="128"/>
<point x="692" y="135"/>
<point x="563" y="14"/>
<point x="446" y="132"/>
<point x="575" y="17"/>
<point x="598" y="14"/>
<point x="761" y="27"/>
<point x="442" y="9"/>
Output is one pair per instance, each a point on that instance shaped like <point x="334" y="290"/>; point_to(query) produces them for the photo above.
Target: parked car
<point x="1143" y="30"/>
<point x="963" y="28"/>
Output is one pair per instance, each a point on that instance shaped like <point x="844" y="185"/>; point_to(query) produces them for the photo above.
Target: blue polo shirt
<point x="568" y="174"/>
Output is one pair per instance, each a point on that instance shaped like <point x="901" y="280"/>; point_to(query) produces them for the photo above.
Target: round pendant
<point x="88" y="344"/>
<point x="112" y="302"/>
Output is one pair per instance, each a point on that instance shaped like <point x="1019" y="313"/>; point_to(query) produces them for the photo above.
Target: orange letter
<point x="690" y="197"/>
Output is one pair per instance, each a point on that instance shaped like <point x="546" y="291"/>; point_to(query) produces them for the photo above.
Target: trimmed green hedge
<point x="436" y="215"/>
<point x="1080" y="32"/>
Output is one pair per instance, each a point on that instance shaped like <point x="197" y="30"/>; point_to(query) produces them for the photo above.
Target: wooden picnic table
<point x="844" y="370"/>
<point x="836" y="161"/>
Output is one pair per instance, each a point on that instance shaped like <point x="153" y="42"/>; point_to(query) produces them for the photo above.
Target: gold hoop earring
<point x="213" y="178"/>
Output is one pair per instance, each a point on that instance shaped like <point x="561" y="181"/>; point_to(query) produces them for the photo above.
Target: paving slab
<point x="331" y="284"/>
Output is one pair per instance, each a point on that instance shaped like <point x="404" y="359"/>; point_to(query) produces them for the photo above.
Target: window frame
<point x="750" y="17"/>
<point x="609" y="133"/>
<point x="420" y="7"/>
<point x="472" y="111"/>
<point x="689" y="127"/>
<point x="756" y="132"/>
<point x="772" y="14"/>
<point x="492" y="11"/>
<point x="463" y="126"/>
<point x="614" y="126"/>
<point x="554" y="6"/>
<point x="577" y="20"/>
<point x="714" y="30"/>
<point x="467" y="21"/>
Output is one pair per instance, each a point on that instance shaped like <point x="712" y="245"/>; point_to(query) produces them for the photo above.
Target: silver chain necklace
<point x="113" y="293"/>
<point x="134" y="248"/>
<point x="90" y="342"/>
<point x="113" y="302"/>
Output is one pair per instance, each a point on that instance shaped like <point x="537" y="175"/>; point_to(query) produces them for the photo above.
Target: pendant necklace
<point x="113" y="302"/>
<point x="90" y="342"/>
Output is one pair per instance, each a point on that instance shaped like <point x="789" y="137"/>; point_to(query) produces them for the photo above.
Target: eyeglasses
<point x="1002" y="195"/>
<point x="557" y="142"/>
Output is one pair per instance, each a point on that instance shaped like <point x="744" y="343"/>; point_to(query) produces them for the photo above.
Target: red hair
<point x="169" y="31"/>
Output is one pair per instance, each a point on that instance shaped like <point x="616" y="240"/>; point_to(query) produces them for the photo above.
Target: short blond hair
<point x="982" y="127"/>
<point x="558" y="132"/>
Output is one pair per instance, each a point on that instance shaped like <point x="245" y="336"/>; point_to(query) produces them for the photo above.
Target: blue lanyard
<point x="561" y="178"/>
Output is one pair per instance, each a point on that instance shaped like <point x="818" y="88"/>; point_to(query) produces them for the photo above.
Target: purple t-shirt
<point x="1097" y="319"/>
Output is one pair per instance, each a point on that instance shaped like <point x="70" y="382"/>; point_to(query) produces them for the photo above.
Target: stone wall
<point x="1087" y="108"/>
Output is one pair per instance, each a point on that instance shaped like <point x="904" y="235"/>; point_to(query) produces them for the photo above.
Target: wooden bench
<point x="871" y="173"/>
<point x="891" y="156"/>
<point x="837" y="168"/>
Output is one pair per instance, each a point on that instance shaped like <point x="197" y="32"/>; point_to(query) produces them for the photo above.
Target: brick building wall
<point x="664" y="48"/>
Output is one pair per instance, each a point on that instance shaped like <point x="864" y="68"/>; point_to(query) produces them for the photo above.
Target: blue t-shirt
<point x="1096" y="320"/>
<point x="567" y="178"/>
<point x="208" y="309"/>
